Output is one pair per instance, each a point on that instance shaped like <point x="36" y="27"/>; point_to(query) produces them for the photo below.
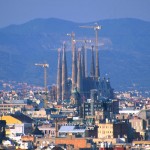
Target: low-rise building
<point x="8" y="107"/>
<point x="39" y="114"/>
<point x="72" y="130"/>
<point x="140" y="144"/>
<point x="140" y="127"/>
<point x="74" y="142"/>
<point x="49" y="130"/>
<point x="17" y="124"/>
<point x="110" y="130"/>
<point x="145" y="115"/>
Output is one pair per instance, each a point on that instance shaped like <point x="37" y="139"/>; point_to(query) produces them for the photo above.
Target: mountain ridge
<point x="125" y="55"/>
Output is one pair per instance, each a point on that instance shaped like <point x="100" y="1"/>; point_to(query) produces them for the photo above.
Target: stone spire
<point x="74" y="66"/>
<point x="64" y="73"/>
<point x="97" y="72"/>
<point x="59" y="76"/>
<point x="92" y="72"/>
<point x="83" y="62"/>
<point x="79" y="73"/>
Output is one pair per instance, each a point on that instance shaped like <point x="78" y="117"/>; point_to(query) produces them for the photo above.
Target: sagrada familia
<point x="80" y="81"/>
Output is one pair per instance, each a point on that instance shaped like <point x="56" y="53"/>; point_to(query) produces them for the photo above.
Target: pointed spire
<point x="92" y="73"/>
<point x="83" y="62"/>
<point x="59" y="76"/>
<point x="85" y="56"/>
<point x="79" y="74"/>
<point x="97" y="72"/>
<point x="64" y="73"/>
<point x="74" y="65"/>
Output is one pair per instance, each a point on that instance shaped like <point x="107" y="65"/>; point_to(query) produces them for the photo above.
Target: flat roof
<point x="72" y="129"/>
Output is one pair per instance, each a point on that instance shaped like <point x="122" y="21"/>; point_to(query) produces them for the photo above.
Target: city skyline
<point x="74" y="74"/>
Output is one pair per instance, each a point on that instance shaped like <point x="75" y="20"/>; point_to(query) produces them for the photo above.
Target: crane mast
<point x="96" y="28"/>
<point x="45" y="66"/>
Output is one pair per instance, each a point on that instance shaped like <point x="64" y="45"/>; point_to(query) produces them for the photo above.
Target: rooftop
<point x="23" y="118"/>
<point x="71" y="129"/>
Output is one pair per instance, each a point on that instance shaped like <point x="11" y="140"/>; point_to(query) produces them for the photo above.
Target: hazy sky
<point x="20" y="11"/>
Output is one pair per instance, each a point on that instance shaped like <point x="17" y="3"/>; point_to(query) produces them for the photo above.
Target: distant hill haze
<point x="124" y="51"/>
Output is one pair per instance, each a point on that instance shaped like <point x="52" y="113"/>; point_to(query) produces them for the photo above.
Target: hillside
<point x="124" y="56"/>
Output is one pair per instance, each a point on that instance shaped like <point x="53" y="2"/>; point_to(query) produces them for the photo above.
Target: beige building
<point x="140" y="126"/>
<point x="105" y="130"/>
<point x="39" y="114"/>
<point x="12" y="106"/>
<point x="145" y="115"/>
<point x="110" y="130"/>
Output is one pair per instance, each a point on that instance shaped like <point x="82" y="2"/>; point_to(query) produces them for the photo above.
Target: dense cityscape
<point x="81" y="111"/>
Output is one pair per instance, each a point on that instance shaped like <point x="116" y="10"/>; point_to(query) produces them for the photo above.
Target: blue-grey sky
<point x="21" y="11"/>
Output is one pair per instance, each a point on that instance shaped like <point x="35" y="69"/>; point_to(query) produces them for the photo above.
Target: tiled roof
<point x="37" y="132"/>
<point x="23" y="118"/>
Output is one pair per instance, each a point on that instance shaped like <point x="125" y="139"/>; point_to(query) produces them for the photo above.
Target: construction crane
<point x="45" y="66"/>
<point x="96" y="28"/>
<point x="72" y="35"/>
<point x="73" y="41"/>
